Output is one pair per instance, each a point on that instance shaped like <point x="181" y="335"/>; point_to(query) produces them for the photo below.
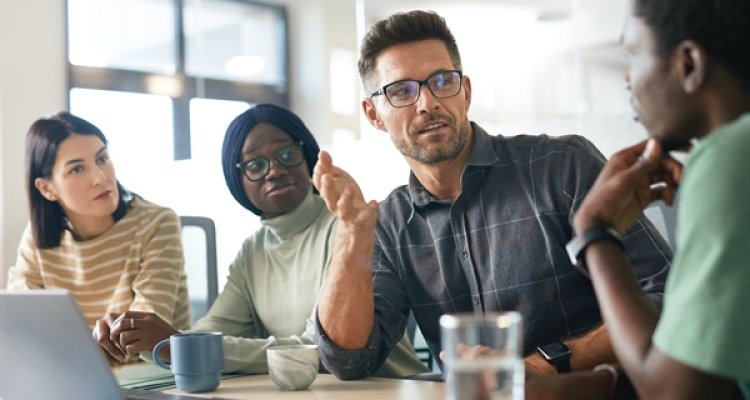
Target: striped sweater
<point x="136" y="265"/>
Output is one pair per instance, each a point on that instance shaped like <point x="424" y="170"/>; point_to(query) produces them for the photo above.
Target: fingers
<point x="673" y="169"/>
<point x="664" y="193"/>
<point x="322" y="167"/>
<point x="102" y="338"/>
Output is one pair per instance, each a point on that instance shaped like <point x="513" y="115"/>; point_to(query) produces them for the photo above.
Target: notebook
<point x="47" y="352"/>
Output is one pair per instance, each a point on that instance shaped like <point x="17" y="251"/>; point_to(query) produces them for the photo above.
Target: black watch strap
<point x="561" y="364"/>
<point x="557" y="354"/>
<point x="576" y="248"/>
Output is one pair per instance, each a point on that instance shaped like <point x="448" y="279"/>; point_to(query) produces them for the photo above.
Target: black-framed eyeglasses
<point x="406" y="92"/>
<point x="257" y="168"/>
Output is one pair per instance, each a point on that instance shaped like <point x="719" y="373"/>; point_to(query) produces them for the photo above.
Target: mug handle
<point x="155" y="354"/>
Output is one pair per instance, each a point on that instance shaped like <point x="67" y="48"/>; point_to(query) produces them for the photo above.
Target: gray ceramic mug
<point x="197" y="359"/>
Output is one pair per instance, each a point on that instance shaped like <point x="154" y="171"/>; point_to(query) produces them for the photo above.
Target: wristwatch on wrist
<point x="576" y="248"/>
<point x="557" y="354"/>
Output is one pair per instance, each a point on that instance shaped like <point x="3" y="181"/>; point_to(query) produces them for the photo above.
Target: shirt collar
<point x="482" y="154"/>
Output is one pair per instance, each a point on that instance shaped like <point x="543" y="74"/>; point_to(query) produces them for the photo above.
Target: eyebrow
<point x="251" y="150"/>
<point x="78" y="160"/>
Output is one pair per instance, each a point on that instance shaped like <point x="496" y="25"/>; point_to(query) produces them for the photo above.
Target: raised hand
<point x="342" y="195"/>
<point x="632" y="179"/>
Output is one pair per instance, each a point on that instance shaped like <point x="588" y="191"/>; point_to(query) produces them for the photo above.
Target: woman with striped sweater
<point x="112" y="249"/>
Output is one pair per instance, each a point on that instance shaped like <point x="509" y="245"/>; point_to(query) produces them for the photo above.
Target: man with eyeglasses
<point x="481" y="226"/>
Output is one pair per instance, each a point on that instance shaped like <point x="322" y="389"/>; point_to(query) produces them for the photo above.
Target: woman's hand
<point x="632" y="179"/>
<point x="115" y="355"/>
<point x="130" y="333"/>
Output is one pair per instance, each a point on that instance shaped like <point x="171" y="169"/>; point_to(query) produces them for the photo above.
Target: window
<point x="182" y="49"/>
<point x="163" y="79"/>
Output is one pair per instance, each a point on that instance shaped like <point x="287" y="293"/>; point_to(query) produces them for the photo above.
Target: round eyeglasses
<point x="406" y="92"/>
<point x="257" y="168"/>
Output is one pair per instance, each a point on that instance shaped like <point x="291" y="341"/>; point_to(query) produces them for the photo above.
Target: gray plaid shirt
<point x="500" y="245"/>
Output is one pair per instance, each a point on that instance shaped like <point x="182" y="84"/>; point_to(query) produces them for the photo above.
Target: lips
<point x="432" y="122"/>
<point x="432" y="126"/>
<point x="278" y="187"/>
<point x="104" y="195"/>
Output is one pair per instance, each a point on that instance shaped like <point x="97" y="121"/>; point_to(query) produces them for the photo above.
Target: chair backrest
<point x="419" y="344"/>
<point x="199" y="244"/>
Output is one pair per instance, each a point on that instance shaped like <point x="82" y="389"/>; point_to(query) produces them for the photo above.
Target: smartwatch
<point x="576" y="248"/>
<point x="557" y="354"/>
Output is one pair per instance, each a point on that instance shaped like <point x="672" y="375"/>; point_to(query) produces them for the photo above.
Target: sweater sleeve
<point x="245" y="339"/>
<point x="156" y="287"/>
<point x="26" y="274"/>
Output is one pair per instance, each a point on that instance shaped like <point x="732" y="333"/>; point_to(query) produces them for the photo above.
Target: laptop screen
<point x="47" y="352"/>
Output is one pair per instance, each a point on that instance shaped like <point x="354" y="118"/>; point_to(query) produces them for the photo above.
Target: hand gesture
<point x="632" y="179"/>
<point x="342" y="195"/>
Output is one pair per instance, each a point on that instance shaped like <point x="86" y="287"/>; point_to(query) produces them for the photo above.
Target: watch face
<point x="554" y="350"/>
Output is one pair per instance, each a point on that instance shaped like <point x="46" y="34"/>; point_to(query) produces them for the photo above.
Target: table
<point x="326" y="386"/>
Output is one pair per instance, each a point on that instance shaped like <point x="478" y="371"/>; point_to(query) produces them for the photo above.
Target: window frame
<point x="113" y="79"/>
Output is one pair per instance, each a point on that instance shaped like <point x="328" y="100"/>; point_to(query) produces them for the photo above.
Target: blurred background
<point x="163" y="78"/>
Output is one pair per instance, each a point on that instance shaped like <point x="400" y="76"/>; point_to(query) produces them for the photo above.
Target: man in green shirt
<point x="689" y="75"/>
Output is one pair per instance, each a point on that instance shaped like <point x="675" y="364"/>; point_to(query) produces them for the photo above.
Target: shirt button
<point x="465" y="254"/>
<point x="476" y="301"/>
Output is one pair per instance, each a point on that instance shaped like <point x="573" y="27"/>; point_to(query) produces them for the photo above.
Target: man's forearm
<point x="346" y="307"/>
<point x="591" y="349"/>
<point x="630" y="315"/>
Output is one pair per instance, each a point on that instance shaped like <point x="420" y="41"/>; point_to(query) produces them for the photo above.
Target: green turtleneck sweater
<point x="273" y="287"/>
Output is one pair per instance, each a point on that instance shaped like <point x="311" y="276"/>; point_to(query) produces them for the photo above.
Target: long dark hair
<point x="48" y="221"/>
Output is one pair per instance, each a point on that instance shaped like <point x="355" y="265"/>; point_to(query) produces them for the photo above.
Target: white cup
<point x="293" y="367"/>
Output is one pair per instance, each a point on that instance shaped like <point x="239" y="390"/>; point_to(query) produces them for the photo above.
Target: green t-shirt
<point x="705" y="321"/>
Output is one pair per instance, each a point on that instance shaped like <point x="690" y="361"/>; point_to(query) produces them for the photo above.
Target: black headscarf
<point x="238" y="130"/>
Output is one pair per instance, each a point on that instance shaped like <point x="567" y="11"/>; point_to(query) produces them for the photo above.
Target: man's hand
<point x="343" y="196"/>
<point x="632" y="179"/>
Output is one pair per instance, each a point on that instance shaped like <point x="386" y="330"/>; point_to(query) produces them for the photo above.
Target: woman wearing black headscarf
<point x="268" y="157"/>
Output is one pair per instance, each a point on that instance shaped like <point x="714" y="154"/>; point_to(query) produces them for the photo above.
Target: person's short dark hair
<point x="720" y="26"/>
<point x="237" y="132"/>
<point x="48" y="221"/>
<point x="402" y="28"/>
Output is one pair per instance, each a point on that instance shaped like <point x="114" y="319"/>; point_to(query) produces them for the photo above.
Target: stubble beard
<point x="450" y="149"/>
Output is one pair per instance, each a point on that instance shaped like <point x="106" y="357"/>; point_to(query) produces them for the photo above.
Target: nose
<point x="100" y="176"/>
<point x="426" y="101"/>
<point x="275" y="169"/>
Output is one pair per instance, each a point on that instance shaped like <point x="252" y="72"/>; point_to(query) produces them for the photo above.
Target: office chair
<point x="417" y="341"/>
<point x="198" y="236"/>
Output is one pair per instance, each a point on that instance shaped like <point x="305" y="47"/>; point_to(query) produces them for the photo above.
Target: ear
<point x="371" y="113"/>
<point x="467" y="91"/>
<point x="46" y="188"/>
<point x="692" y="65"/>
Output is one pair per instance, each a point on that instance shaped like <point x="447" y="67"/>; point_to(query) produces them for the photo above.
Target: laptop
<point x="47" y="352"/>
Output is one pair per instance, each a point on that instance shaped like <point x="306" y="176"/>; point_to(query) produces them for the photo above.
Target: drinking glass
<point x="483" y="355"/>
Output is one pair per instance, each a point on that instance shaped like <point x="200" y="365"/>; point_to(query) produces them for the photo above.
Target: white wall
<point x="32" y="83"/>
